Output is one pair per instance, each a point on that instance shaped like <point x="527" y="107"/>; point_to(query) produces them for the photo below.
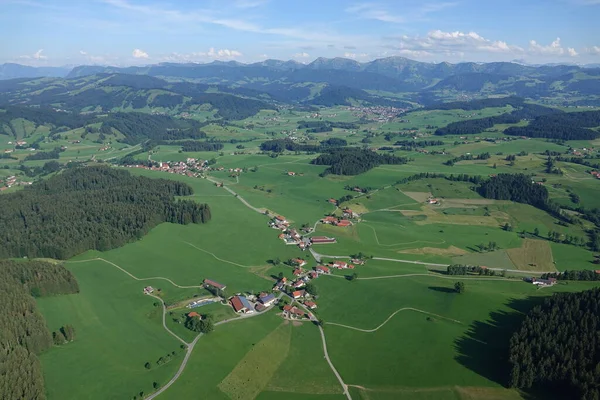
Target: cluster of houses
<point x="343" y="222"/>
<point x="380" y="113"/>
<point x="291" y="236"/>
<point x="192" y="167"/>
<point x="12" y="181"/>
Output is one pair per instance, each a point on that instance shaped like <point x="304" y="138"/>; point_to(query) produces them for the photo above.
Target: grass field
<point x="399" y="331"/>
<point x="117" y="330"/>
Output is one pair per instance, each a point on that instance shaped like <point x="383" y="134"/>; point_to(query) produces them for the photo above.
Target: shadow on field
<point x="484" y="347"/>
<point x="442" y="289"/>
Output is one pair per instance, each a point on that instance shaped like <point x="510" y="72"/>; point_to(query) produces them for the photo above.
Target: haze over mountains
<point x="340" y="79"/>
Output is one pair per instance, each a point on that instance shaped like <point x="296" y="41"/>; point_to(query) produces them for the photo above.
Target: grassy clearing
<point x="533" y="255"/>
<point x="252" y="374"/>
<point x="449" y="251"/>
<point x="492" y="259"/>
<point x="305" y="358"/>
<point x="218" y="353"/>
<point x="118" y="331"/>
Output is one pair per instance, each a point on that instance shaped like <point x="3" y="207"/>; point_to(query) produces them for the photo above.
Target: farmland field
<point x="394" y="328"/>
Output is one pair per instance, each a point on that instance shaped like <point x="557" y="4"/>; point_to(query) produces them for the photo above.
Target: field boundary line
<point x="215" y="257"/>
<point x="454" y="277"/>
<point x="133" y="276"/>
<point x="390" y="317"/>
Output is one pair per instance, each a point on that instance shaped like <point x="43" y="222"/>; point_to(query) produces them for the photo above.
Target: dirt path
<point x="335" y="372"/>
<point x="391" y="316"/>
<point x="215" y="257"/>
<point x="133" y="276"/>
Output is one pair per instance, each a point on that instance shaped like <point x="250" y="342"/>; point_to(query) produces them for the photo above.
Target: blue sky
<point x="139" y="32"/>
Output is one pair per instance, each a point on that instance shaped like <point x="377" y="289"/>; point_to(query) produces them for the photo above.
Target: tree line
<point x="53" y="154"/>
<point x="461" y="269"/>
<point x="354" y="160"/>
<point x="574" y="275"/>
<point x="23" y="331"/>
<point x="557" y="347"/>
<point x="280" y="145"/>
<point x="475" y="126"/>
<point x="87" y="208"/>
<point x="191" y="145"/>
<point x="567" y="126"/>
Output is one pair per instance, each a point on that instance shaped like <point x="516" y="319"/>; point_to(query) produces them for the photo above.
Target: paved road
<point x="164" y="317"/>
<point x="190" y="346"/>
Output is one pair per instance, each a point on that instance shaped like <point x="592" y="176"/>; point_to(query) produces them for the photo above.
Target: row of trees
<point x="53" y="154"/>
<point x="90" y="208"/>
<point x="464" y="157"/>
<point x="191" y="145"/>
<point x="23" y="331"/>
<point x="574" y="275"/>
<point x="461" y="269"/>
<point x="354" y="161"/>
<point x="280" y="145"/>
<point x="558" y="346"/>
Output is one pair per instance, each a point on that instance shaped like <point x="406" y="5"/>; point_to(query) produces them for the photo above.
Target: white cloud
<point x="409" y="13"/>
<point x="553" y="49"/>
<point x="594" y="50"/>
<point x="137" y="53"/>
<point x="223" y="53"/>
<point x="83" y="53"/>
<point x="39" y="56"/>
<point x="456" y="42"/>
<point x="301" y="55"/>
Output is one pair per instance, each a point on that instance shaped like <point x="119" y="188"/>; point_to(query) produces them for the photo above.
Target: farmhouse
<point x="543" y="282"/>
<point x="298" y="283"/>
<point x="293" y="311"/>
<point x="216" y="285"/>
<point x="290" y="173"/>
<point x="148" y="289"/>
<point x="299" y="262"/>
<point x="298" y="271"/>
<point x="279" y="286"/>
<point x="332" y="201"/>
<point x="343" y="223"/>
<point x="322" y="240"/>
<point x="321" y="269"/>
<point x="267" y="300"/>
<point x="298" y="293"/>
<point x="281" y="219"/>
<point x="358" y="261"/>
<point x="194" y="314"/>
<point x="241" y="305"/>
<point x="310" y="304"/>
<point x="342" y="265"/>
<point x="329" y="220"/>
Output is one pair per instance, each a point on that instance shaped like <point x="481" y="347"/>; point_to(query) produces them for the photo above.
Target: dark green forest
<point x="476" y="126"/>
<point x="354" y="161"/>
<point x="565" y="126"/>
<point x="90" y="208"/>
<point x="23" y="331"/>
<point x="557" y="348"/>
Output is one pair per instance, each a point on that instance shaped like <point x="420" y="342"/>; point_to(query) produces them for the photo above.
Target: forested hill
<point x="121" y="92"/>
<point x="90" y="208"/>
<point x="23" y="331"/>
<point x="558" y="347"/>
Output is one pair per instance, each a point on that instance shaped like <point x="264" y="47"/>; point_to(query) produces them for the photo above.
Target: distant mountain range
<point x="350" y="81"/>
